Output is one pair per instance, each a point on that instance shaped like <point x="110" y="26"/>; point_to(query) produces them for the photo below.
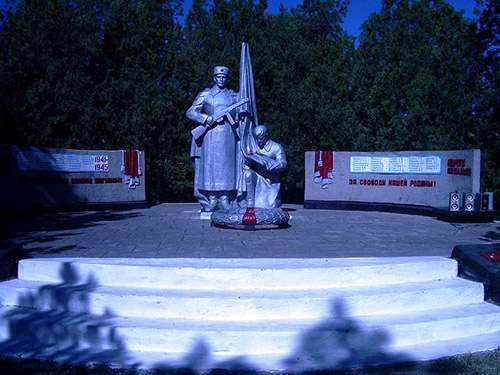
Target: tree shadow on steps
<point x="199" y="360"/>
<point x="340" y="342"/>
<point x="56" y="323"/>
<point x="334" y="346"/>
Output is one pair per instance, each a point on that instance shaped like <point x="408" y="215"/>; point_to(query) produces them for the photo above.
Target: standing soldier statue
<point x="214" y="145"/>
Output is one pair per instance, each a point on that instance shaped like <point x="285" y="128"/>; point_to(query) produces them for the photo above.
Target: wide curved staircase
<point x="267" y="314"/>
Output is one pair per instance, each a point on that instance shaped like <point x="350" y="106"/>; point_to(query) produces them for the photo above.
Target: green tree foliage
<point x="414" y="82"/>
<point x="44" y="72"/>
<point x="489" y="104"/>
<point x="95" y="74"/>
<point x="110" y="74"/>
<point x="213" y="36"/>
<point x="304" y="82"/>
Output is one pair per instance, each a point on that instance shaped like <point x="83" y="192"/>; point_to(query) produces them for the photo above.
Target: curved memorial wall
<point x="39" y="177"/>
<point x="403" y="181"/>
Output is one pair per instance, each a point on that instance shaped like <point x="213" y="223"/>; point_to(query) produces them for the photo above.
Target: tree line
<point x="108" y="74"/>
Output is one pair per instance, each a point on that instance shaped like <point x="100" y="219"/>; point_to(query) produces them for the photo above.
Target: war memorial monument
<point x="158" y="288"/>
<point x="236" y="164"/>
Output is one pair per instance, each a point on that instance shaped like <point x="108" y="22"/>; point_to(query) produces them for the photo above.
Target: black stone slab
<point x="408" y="209"/>
<point x="465" y="217"/>
<point x="10" y="254"/>
<point x="473" y="266"/>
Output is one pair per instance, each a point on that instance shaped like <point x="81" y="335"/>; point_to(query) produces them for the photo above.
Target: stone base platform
<point x="175" y="230"/>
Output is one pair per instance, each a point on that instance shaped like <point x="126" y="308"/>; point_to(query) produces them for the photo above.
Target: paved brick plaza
<point x="175" y="230"/>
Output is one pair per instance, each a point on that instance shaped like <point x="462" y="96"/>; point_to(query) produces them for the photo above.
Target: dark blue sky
<point x="358" y="12"/>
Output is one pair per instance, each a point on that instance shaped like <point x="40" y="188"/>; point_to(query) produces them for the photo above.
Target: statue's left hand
<point x="210" y="121"/>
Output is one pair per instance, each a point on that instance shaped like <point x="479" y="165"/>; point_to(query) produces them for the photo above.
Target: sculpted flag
<point x="247" y="140"/>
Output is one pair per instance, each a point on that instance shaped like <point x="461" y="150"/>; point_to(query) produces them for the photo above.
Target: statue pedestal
<point x="250" y="219"/>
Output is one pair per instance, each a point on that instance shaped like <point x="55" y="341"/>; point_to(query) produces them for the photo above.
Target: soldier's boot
<point x="224" y="203"/>
<point x="211" y="204"/>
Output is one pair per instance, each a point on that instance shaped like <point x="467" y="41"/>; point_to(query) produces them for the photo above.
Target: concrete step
<point x="239" y="305"/>
<point x="286" y="339"/>
<point x="238" y="274"/>
<point x="334" y="359"/>
<point x="264" y="314"/>
<point x="269" y="336"/>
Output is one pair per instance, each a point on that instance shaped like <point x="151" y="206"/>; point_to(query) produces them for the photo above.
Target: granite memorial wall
<point x="419" y="178"/>
<point x="35" y="177"/>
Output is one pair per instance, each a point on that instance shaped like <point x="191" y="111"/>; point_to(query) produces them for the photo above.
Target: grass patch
<point x="485" y="363"/>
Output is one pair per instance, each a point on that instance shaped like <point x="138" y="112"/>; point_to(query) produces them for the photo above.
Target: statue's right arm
<point x="194" y="112"/>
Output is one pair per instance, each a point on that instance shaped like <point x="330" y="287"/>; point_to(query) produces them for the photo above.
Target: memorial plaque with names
<point x="430" y="164"/>
<point x="61" y="162"/>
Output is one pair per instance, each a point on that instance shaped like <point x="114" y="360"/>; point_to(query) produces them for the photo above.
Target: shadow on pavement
<point x="41" y="231"/>
<point x="492" y="236"/>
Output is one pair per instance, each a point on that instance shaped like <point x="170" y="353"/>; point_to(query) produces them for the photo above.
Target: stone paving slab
<point x="175" y="230"/>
